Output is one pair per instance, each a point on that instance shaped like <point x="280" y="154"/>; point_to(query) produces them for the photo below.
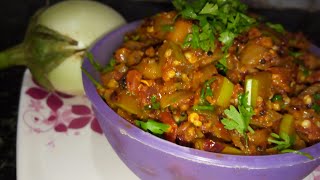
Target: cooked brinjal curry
<point x="213" y="77"/>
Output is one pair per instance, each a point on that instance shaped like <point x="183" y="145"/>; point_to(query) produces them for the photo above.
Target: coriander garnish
<point x="217" y="20"/>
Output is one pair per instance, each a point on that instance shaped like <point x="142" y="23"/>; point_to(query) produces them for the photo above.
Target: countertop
<point x="14" y="16"/>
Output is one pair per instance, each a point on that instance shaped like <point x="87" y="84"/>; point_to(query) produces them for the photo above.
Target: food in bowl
<point x="210" y="77"/>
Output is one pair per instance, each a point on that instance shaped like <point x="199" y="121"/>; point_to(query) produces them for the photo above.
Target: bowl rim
<point x="199" y="156"/>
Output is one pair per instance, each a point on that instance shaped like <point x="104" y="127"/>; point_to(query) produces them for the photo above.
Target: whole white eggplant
<point x="57" y="39"/>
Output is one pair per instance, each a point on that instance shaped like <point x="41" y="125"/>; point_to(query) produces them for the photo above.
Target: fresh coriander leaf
<point x="233" y="114"/>
<point x="154" y="103"/>
<point x="276" y="97"/>
<point x="210" y="9"/>
<point x="295" y="54"/>
<point x="152" y="106"/>
<point x="286" y="138"/>
<point x="167" y="28"/>
<point x="198" y="5"/>
<point x="206" y="91"/>
<point x="193" y="38"/>
<point x="221" y="68"/>
<point x="283" y="143"/>
<point x="244" y="102"/>
<point x="153" y="99"/>
<point x="226" y="17"/>
<point x="153" y="126"/>
<point x="316" y="96"/>
<point x="245" y="109"/>
<point x="248" y="19"/>
<point x="229" y="124"/>
<point x="298" y="62"/>
<point x="205" y="32"/>
<point x="277" y="27"/>
<point x="182" y="117"/>
<point x="110" y="66"/>
<point x="316" y="107"/>
<point x="274" y="135"/>
<point x="234" y="23"/>
<point x="206" y="37"/>
<point x="189" y="13"/>
<point x="126" y="38"/>
<point x="241" y="118"/>
<point x="227" y="38"/>
<point x="179" y="4"/>
<point x="135" y="38"/>
<point x="203" y="108"/>
<point x="235" y="120"/>
<point x="241" y="7"/>
<point x="223" y="61"/>
<point x="298" y="152"/>
<point x="305" y="71"/>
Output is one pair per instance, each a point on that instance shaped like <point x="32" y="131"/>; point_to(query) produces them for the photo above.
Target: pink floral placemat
<point x="59" y="138"/>
<point x="57" y="112"/>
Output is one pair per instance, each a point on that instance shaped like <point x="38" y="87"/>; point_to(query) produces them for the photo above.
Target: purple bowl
<point x="150" y="157"/>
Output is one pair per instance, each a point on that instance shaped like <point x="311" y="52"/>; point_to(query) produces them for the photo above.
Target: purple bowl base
<point x="150" y="163"/>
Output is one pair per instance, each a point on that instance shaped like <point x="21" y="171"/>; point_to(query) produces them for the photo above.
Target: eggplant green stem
<point x="14" y="56"/>
<point x="95" y="82"/>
